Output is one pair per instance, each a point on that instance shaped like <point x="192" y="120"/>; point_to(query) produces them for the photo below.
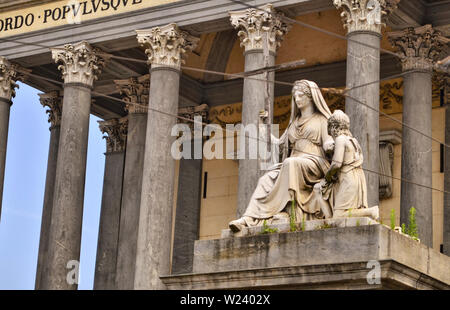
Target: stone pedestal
<point x="80" y="66"/>
<point x="418" y="49"/>
<point x="53" y="101"/>
<point x="358" y="257"/>
<point x="261" y="31"/>
<point x="165" y="47"/>
<point x="108" y="236"/>
<point x="135" y="92"/>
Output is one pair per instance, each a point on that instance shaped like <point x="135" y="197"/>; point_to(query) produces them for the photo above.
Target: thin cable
<point x="257" y="139"/>
<point x="333" y="34"/>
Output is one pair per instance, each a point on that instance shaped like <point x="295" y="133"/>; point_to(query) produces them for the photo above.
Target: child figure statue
<point x="344" y="185"/>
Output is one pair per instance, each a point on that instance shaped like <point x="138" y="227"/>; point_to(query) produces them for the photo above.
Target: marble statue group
<point x="320" y="168"/>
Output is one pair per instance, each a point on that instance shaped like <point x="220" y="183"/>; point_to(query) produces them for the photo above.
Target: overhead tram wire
<point x="257" y="139"/>
<point x="343" y="92"/>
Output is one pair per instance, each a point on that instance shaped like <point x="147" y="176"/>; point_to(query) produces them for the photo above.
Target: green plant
<point x="404" y="228"/>
<point x="412" y="225"/>
<point x="392" y="219"/>
<point x="350" y="212"/>
<point x="324" y="226"/>
<point x="267" y="229"/>
<point x="303" y="223"/>
<point x="293" y="218"/>
<point x="357" y="223"/>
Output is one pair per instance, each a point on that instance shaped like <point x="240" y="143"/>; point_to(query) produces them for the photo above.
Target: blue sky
<point x="23" y="194"/>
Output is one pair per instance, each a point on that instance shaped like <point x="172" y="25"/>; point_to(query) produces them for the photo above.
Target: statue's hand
<point x="263" y="115"/>
<point x="329" y="147"/>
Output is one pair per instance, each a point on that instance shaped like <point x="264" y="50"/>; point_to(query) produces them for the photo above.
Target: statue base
<point x="358" y="257"/>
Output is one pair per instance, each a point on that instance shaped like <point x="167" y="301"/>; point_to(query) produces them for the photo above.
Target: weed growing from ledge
<point x="292" y="221"/>
<point x="358" y="224"/>
<point x="303" y="223"/>
<point x="350" y="212"/>
<point x="404" y="228"/>
<point x="392" y="219"/>
<point x="412" y="225"/>
<point x="267" y="229"/>
<point x="324" y="226"/>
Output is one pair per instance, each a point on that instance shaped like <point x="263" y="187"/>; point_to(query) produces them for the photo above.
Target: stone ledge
<point x="256" y="257"/>
<point x="329" y="276"/>
<point x="284" y="226"/>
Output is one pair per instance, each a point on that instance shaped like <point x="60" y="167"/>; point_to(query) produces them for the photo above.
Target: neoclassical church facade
<point x="143" y="66"/>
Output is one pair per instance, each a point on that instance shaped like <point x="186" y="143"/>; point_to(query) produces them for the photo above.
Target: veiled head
<point x="301" y="93"/>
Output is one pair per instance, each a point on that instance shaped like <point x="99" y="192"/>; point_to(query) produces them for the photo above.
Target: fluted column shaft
<point x="80" y="66"/>
<point x="165" y="47"/>
<point x="53" y="101"/>
<point x="261" y="31"/>
<point x="108" y="236"/>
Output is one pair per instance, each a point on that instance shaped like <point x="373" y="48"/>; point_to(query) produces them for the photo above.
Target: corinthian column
<point x="363" y="20"/>
<point x="8" y="77"/>
<point x="80" y="66"/>
<point x="52" y="100"/>
<point x="165" y="47"/>
<point x="108" y="236"/>
<point x="135" y="92"/>
<point x="418" y="49"/>
<point x="261" y="31"/>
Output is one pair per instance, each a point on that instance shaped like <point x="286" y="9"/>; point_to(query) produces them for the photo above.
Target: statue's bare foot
<point x="237" y="225"/>
<point x="376" y="213"/>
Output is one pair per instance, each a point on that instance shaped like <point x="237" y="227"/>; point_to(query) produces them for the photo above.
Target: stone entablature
<point x="80" y="63"/>
<point x="365" y="15"/>
<point x="53" y="100"/>
<point x="419" y="48"/>
<point x="255" y="24"/>
<point x="166" y="46"/>
<point x="116" y="130"/>
<point x="135" y="91"/>
<point x="189" y="113"/>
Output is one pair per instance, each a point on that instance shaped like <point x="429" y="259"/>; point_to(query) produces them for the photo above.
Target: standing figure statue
<point x="345" y="184"/>
<point x="303" y="145"/>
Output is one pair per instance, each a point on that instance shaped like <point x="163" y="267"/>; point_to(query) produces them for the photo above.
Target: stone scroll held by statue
<point x="305" y="176"/>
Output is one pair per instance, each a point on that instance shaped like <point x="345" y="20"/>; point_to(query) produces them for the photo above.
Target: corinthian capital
<point x="135" y="92"/>
<point x="79" y="63"/>
<point x="116" y="130"/>
<point x="166" y="46"/>
<point x="365" y="15"/>
<point x="418" y="48"/>
<point x="53" y="101"/>
<point x="8" y="78"/>
<point x="256" y="24"/>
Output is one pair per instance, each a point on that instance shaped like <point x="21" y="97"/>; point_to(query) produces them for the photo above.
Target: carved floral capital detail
<point x="53" y="101"/>
<point x="255" y="24"/>
<point x="79" y="63"/>
<point x="8" y="78"/>
<point x="116" y="130"/>
<point x="135" y="91"/>
<point x="167" y="45"/>
<point x="418" y="48"/>
<point x="189" y="113"/>
<point x="365" y="15"/>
